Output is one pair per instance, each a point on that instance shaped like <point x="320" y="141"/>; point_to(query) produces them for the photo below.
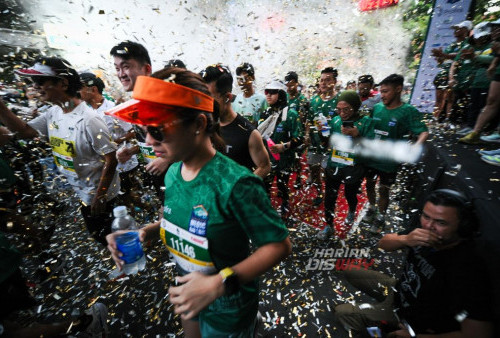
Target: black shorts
<point x="441" y="80"/>
<point x="386" y="179"/>
<point x="348" y="175"/>
<point x="496" y="78"/>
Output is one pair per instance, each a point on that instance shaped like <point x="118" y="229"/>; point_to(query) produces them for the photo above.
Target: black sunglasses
<point x="271" y="91"/>
<point x="156" y="132"/>
<point x="39" y="80"/>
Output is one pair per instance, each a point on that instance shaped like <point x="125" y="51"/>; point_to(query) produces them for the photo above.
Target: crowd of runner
<point x="467" y="85"/>
<point x="211" y="158"/>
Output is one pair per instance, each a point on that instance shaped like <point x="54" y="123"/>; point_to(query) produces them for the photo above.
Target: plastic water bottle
<point x="271" y="143"/>
<point x="324" y="127"/>
<point x="128" y="243"/>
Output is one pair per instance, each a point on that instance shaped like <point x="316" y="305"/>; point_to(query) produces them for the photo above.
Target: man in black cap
<point x="121" y="131"/>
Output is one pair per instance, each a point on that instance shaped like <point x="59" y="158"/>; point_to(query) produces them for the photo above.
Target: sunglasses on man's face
<point x="271" y="91"/>
<point x="39" y="80"/>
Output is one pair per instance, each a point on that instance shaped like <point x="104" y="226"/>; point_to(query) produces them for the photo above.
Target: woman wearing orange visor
<point x="213" y="208"/>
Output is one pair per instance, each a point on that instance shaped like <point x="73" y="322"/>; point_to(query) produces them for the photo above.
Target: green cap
<point x="351" y="97"/>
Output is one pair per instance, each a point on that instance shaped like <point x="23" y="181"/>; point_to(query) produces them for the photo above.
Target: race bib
<point x="147" y="151"/>
<point x="190" y="250"/>
<point x="64" y="154"/>
<point x="342" y="157"/>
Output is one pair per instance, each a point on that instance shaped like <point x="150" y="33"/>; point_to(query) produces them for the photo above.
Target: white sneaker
<point x="495" y="138"/>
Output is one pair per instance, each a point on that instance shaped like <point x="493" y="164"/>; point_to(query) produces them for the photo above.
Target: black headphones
<point x="469" y="225"/>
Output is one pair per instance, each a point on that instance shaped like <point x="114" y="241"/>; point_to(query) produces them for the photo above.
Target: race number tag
<point x="64" y="154"/>
<point x="190" y="250"/>
<point x="147" y="151"/>
<point x="342" y="157"/>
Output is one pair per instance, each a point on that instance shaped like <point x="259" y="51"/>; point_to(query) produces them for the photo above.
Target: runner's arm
<point x="107" y="174"/>
<point x="422" y="137"/>
<point x="199" y="290"/>
<point x="259" y="154"/>
<point x="15" y="124"/>
<point x="128" y="136"/>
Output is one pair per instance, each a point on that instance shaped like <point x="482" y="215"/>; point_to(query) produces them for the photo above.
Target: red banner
<point x="369" y="5"/>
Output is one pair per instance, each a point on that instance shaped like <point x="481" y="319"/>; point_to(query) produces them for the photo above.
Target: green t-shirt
<point x="484" y="56"/>
<point x="284" y="132"/>
<point x="453" y="47"/>
<point x="394" y="124"/>
<point x="445" y="66"/>
<point x="298" y="103"/>
<point x="317" y="107"/>
<point x="340" y="157"/>
<point x="208" y="223"/>
<point x="464" y="70"/>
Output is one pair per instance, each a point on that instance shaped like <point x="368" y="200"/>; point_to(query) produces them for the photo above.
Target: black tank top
<point x="236" y="135"/>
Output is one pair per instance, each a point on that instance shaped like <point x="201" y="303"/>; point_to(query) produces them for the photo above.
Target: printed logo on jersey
<point x="381" y="132"/>
<point x="199" y="220"/>
<point x="62" y="146"/>
<point x="53" y="125"/>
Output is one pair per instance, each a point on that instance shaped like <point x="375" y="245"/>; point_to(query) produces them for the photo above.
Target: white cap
<point x="464" y="24"/>
<point x="481" y="29"/>
<point x="120" y="211"/>
<point x="38" y="69"/>
<point x="276" y="84"/>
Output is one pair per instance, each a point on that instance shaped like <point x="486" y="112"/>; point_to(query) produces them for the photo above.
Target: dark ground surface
<point x="296" y="299"/>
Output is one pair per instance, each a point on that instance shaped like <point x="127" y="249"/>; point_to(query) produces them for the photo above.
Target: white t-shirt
<point x="78" y="140"/>
<point x="117" y="128"/>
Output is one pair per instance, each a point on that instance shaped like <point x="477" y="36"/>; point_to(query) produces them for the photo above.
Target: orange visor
<point x="156" y="100"/>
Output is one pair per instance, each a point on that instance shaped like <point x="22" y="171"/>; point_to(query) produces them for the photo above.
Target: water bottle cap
<point x="120" y="211"/>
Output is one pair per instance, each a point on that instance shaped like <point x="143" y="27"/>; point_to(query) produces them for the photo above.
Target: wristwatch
<point x="230" y="280"/>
